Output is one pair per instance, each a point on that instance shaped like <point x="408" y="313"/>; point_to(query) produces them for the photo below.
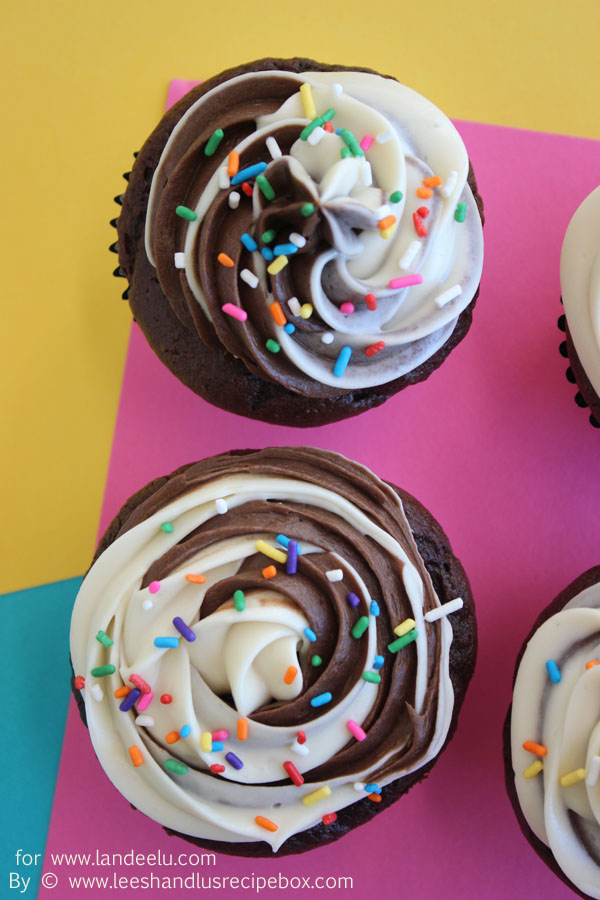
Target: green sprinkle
<point x="166" y="527"/>
<point x="407" y="638"/>
<point x="272" y="345"/>
<point x="185" y="213"/>
<point x="460" y="212"/>
<point x="213" y="142"/>
<point x="307" y="209"/>
<point x="265" y="187"/>
<point x="349" y="139"/>
<point x="101" y="671"/>
<point x="175" y="766"/>
<point x="360" y="627"/>
<point x="104" y="640"/>
<point x="396" y="197"/>
<point x="306" y="132"/>
<point x="373" y="677"/>
<point x="316" y="660"/>
<point x="345" y="152"/>
<point x="269" y="236"/>
<point x="239" y="600"/>
<point x="328" y="115"/>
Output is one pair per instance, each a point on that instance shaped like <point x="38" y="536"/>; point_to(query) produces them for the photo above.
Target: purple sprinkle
<point x="291" y="565"/>
<point x="234" y="760"/>
<point x="183" y="629"/>
<point x="131" y="698"/>
<point x="353" y="600"/>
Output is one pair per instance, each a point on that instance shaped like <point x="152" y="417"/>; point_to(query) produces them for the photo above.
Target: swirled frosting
<point x="580" y="284"/>
<point x="562" y="716"/>
<point x="361" y="325"/>
<point x="290" y="659"/>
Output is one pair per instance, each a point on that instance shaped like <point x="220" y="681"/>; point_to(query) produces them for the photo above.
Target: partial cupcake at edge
<point x="271" y="647"/>
<point x="301" y="240"/>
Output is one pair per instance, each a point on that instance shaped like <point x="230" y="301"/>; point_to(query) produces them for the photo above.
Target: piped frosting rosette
<point x="262" y="646"/>
<point x="318" y="226"/>
<point x="555" y="738"/>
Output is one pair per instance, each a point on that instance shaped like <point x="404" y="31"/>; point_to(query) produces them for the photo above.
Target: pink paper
<point x="495" y="446"/>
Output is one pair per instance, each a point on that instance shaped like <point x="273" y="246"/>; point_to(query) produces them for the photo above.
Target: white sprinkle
<point x="366" y="175"/>
<point x="224" y="179"/>
<point x="593" y="772"/>
<point x="316" y="136"/>
<point x="146" y="721"/>
<point x="409" y="254"/>
<point x="273" y="147"/>
<point x="249" y="277"/>
<point x="297" y="239"/>
<point x="147" y="604"/>
<point x="358" y="786"/>
<point x="97" y="693"/>
<point x="450" y="183"/>
<point x="334" y="575"/>
<point x="301" y="749"/>
<point x="337" y="89"/>
<point x="234" y="200"/>
<point x="444" y="610"/>
<point x="294" y="305"/>
<point x="383" y="211"/>
<point x="447" y="296"/>
<point x="179" y="260"/>
<point x="383" y="136"/>
<point x="327" y="337"/>
<point x="221" y="506"/>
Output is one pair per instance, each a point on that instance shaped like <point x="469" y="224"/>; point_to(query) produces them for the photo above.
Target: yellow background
<point x="84" y="83"/>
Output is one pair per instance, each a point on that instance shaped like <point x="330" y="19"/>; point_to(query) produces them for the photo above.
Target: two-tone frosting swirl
<point x="301" y="657"/>
<point x="560" y="796"/>
<point x="359" y="304"/>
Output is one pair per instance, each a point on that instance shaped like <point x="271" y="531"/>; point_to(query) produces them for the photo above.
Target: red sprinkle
<point x="79" y="683"/>
<point x="217" y="768"/>
<point x="293" y="772"/>
<point x="328" y="127"/>
<point x="329" y="818"/>
<point x="166" y="698"/>
<point x="140" y="683"/>
<point x="423" y="211"/>
<point x="247" y="188"/>
<point x="374" y="348"/>
<point x="419" y="225"/>
<point x="371" y="301"/>
<point x="301" y="737"/>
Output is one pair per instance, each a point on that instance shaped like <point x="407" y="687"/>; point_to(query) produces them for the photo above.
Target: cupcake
<point x="552" y="736"/>
<point x="580" y="285"/>
<point x="301" y="240"/>
<point x="271" y="647"/>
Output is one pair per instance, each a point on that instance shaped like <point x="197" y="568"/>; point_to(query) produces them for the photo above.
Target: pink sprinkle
<point x="154" y="587"/>
<point x="355" y="729"/>
<point x="144" y="701"/>
<point x="235" y="312"/>
<point x="140" y="683"/>
<point x="220" y="735"/>
<point x="406" y="281"/>
<point x="347" y="307"/>
<point x="366" y="142"/>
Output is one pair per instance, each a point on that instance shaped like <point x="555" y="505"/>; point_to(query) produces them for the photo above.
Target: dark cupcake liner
<point x="586" y="397"/>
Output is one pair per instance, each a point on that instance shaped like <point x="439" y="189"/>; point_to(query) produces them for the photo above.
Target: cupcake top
<point x="580" y="284"/>
<point x="262" y="646"/>
<point x="319" y="226"/>
<point x="555" y="737"/>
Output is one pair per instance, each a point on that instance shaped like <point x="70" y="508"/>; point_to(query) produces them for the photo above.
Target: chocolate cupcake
<point x="552" y="736"/>
<point x="271" y="647"/>
<point x="580" y="285"/>
<point x="301" y="240"/>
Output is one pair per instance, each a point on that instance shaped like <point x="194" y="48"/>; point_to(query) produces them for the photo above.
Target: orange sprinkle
<point x="532" y="747"/>
<point x="386" y="222"/>
<point x="432" y="181"/>
<point x="122" y="691"/>
<point x="425" y="193"/>
<point x="242" y="729"/>
<point x="266" y="823"/>
<point x="591" y="663"/>
<point x="195" y="579"/>
<point x="376" y="798"/>
<point x="269" y="572"/>
<point x="136" y="756"/>
<point x="233" y="163"/>
<point x="172" y="737"/>
<point x="290" y="674"/>
<point x="225" y="260"/>
<point x="277" y="313"/>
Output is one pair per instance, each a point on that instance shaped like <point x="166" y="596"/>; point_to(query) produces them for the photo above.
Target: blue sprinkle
<point x="131" y="698"/>
<point x="291" y="567"/>
<point x="183" y="629"/>
<point x="285" y="249"/>
<point x="353" y="599"/>
<point x="338" y="130"/>
<point x="267" y="253"/>
<point x="342" y="361"/>
<point x="185" y="731"/>
<point x="378" y="662"/>
<point x="310" y="634"/>
<point x="216" y="745"/>
<point x="372" y="789"/>
<point x="284" y="541"/>
<point x="553" y="671"/>
<point x="321" y="699"/>
<point x="374" y="608"/>
<point x="249" y="242"/>
<point x="250" y="172"/>
<point x="166" y="642"/>
<point x="289" y="327"/>
<point x="233" y="760"/>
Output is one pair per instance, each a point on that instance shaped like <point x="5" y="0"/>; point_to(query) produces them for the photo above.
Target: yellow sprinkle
<point x="534" y="769"/>
<point x="271" y="552"/>
<point x="279" y="263"/>
<point x="386" y="232"/>
<point x="310" y="110"/>
<point x="206" y="741"/>
<point x="404" y="627"/>
<point x="573" y="777"/>
<point x="306" y="310"/>
<point x="317" y="795"/>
